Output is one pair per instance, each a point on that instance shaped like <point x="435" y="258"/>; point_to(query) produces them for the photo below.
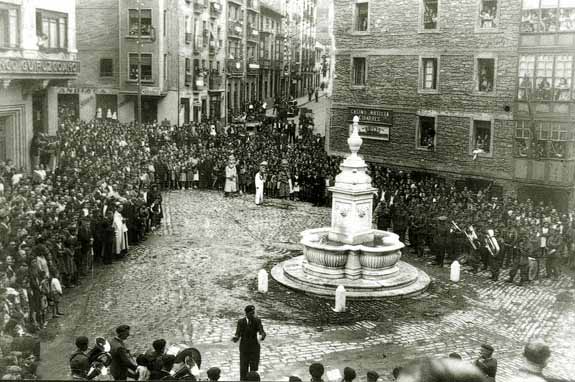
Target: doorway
<point x="68" y="106"/>
<point x="149" y="109"/>
<point x="39" y="118"/>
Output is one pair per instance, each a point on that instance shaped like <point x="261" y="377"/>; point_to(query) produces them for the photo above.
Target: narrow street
<point x="188" y="283"/>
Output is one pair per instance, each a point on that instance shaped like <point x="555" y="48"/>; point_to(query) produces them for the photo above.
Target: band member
<point x="247" y="333"/>
<point x="79" y="363"/>
<point x="486" y="363"/>
<point x="509" y="245"/>
<point x="492" y="254"/>
<point x="440" y="240"/>
<point x="260" y="183"/>
<point x="554" y="244"/>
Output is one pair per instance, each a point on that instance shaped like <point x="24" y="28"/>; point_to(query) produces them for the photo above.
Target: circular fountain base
<point x="407" y="281"/>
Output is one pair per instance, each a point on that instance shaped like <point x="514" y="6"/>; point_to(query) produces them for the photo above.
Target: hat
<point x="213" y="373"/>
<point x="250" y="308"/>
<point x="372" y="375"/>
<point x="122" y="329"/>
<point x="264" y="163"/>
<point x="442" y="218"/>
<point x="82" y="341"/>
<point x="487" y="347"/>
<point x="316" y="370"/>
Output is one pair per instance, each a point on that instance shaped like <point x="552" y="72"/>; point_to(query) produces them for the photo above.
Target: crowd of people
<point x="98" y="187"/>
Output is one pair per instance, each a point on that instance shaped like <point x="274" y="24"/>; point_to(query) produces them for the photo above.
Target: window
<point x="545" y="77"/>
<point x="9" y="27"/>
<point x="361" y="17"/>
<point x="481" y="137"/>
<point x="166" y="67"/>
<point x="426" y="133"/>
<point x="359" y="69"/>
<point x="146" y="65"/>
<point x="488" y="14"/>
<point x="548" y="16"/>
<point x="429" y="73"/>
<point x="106" y="67"/>
<point x="146" y="25"/>
<point x="485" y="75"/>
<point x="52" y="30"/>
<point x="188" y="66"/>
<point x="430" y="11"/>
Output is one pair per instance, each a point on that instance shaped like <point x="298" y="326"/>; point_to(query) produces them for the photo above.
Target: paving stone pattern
<point x="190" y="280"/>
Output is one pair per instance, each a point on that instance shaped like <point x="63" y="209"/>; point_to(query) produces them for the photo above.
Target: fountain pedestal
<point x="350" y="253"/>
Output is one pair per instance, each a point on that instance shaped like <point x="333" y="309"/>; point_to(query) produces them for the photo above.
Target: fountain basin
<point x="369" y="260"/>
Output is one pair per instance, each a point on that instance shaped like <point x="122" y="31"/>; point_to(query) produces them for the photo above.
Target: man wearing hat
<point x="486" y="363"/>
<point x="247" y="333"/>
<point x="440" y="240"/>
<point x="260" y="182"/>
<point x="122" y="362"/>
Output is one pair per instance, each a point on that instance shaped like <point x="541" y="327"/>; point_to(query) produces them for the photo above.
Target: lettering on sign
<point x="373" y="123"/>
<point x="27" y="66"/>
<point x="64" y="90"/>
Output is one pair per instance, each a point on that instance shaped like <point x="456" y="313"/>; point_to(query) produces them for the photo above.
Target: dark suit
<point x="121" y="360"/>
<point x="249" y="344"/>
<point x="488" y="367"/>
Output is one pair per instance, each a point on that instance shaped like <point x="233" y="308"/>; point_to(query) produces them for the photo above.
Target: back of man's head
<point x="349" y="374"/>
<point x="159" y="345"/>
<point x="537" y="352"/>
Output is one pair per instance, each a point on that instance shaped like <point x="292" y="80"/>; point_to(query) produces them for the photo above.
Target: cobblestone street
<point x="190" y="280"/>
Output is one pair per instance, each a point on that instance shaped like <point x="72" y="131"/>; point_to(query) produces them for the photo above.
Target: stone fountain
<point x="365" y="261"/>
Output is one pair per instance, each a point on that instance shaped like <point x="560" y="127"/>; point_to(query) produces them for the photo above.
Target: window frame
<point x="533" y="90"/>
<point x="491" y="121"/>
<point x="421" y="88"/>
<point x="352" y="72"/>
<point x="151" y="80"/>
<point x="111" y="65"/>
<point x="354" y="29"/>
<point x="478" y="28"/>
<point x="476" y="90"/>
<point x="17" y="43"/>
<point x="539" y="11"/>
<point x="151" y="23"/>
<point x="421" y="19"/>
<point x="418" y="131"/>
<point x="53" y="15"/>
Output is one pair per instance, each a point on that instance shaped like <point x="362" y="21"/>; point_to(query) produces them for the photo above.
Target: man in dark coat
<point x="486" y="363"/>
<point x="247" y="333"/>
<point x="122" y="362"/>
<point x="440" y="240"/>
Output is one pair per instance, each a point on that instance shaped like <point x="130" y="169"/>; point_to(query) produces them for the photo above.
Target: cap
<point x="316" y="370"/>
<point x="442" y="218"/>
<point x="250" y="308"/>
<point x="122" y="329"/>
<point x="372" y="375"/>
<point x="487" y="347"/>
<point x="82" y="341"/>
<point x="264" y="163"/>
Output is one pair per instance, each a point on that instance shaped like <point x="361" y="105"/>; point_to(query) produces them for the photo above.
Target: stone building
<point x="434" y="86"/>
<point x="180" y="56"/>
<point x="37" y="54"/>
<point x="271" y="52"/>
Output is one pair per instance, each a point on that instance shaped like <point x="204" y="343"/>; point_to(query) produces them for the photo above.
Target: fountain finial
<point x="354" y="141"/>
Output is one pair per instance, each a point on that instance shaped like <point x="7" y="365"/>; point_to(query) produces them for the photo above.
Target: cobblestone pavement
<point x="190" y="281"/>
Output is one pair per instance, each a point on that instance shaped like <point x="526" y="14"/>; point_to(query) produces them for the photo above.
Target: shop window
<point x="106" y="67"/>
<point x="108" y="103"/>
<point x="359" y="71"/>
<point x="429" y="73"/>
<point x="552" y="78"/>
<point x="361" y="16"/>
<point x="481" y="137"/>
<point x="146" y="65"/>
<point x="146" y="22"/>
<point x="426" y="133"/>
<point x="430" y="14"/>
<point x="52" y="30"/>
<point x="488" y="14"/>
<point x="9" y="27"/>
<point x="485" y="74"/>
<point x="548" y="16"/>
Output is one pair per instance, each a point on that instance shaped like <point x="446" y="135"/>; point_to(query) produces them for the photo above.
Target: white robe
<point x="121" y="234"/>
<point x="260" y="181"/>
<point x="231" y="178"/>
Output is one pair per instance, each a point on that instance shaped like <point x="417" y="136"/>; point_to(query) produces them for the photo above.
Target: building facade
<point x="271" y="53"/>
<point x="37" y="54"/>
<point x="177" y="45"/>
<point x="434" y="86"/>
<point x="544" y="155"/>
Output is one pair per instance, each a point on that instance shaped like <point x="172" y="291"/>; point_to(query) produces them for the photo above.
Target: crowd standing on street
<point x="97" y="189"/>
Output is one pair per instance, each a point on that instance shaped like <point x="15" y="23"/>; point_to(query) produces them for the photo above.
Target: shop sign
<point x="373" y="123"/>
<point x="151" y="91"/>
<point x="28" y="66"/>
<point x="65" y="90"/>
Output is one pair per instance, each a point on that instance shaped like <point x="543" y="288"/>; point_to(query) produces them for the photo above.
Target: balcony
<point x="188" y="79"/>
<point x="216" y="82"/>
<point x="198" y="45"/>
<point x="200" y="79"/>
<point x="214" y="46"/>
<point x="253" y="33"/>
<point x="200" y="5"/>
<point x="235" y="30"/>
<point x="189" y="37"/>
<point x="252" y="5"/>
<point x="234" y="66"/>
<point x="265" y="63"/>
<point x="215" y="8"/>
<point x="253" y="66"/>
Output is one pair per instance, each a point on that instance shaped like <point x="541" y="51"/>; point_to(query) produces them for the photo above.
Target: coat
<point x="248" y="334"/>
<point x="122" y="362"/>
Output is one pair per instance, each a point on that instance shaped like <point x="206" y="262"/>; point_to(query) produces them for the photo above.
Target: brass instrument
<point x="491" y="243"/>
<point x="471" y="235"/>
